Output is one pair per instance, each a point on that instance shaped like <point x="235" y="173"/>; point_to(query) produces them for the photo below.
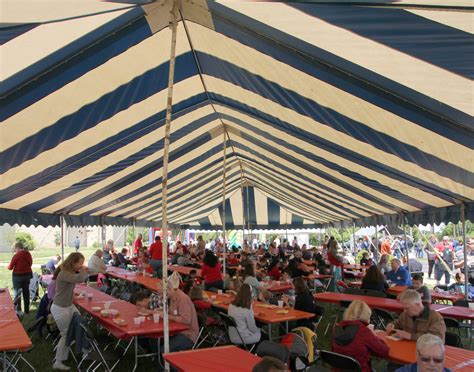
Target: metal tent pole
<point x="463" y="222"/>
<point x="406" y="243"/>
<point x="354" y="249"/>
<point x="61" y="225"/>
<point x="166" y="145"/>
<point x="243" y="205"/>
<point x="249" y="231"/>
<point x="223" y="196"/>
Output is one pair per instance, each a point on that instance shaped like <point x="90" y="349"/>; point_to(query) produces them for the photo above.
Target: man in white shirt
<point x="96" y="264"/>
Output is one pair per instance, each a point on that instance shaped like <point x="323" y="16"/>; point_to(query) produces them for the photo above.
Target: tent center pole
<point x="166" y="145"/>
<point x="224" y="144"/>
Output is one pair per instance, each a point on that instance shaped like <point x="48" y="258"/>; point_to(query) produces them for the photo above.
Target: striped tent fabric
<point x="333" y="113"/>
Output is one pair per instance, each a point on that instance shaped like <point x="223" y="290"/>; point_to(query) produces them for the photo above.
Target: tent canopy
<point x="333" y="113"/>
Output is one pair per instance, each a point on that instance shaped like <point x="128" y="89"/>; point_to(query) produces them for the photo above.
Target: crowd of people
<point x="248" y="270"/>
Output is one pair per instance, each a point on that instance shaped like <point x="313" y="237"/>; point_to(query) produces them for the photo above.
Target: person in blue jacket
<point x="399" y="274"/>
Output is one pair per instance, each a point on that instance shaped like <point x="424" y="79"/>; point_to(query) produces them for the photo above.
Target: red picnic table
<point x="13" y="336"/>
<point x="449" y="311"/>
<point x="404" y="352"/>
<point x="436" y="296"/>
<point x="183" y="270"/>
<point x="148" y="281"/>
<point x="126" y="330"/>
<point x="264" y="313"/>
<point x="218" y="359"/>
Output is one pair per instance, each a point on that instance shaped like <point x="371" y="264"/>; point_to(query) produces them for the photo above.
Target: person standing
<point x="21" y="274"/>
<point x="138" y="244"/>
<point x="156" y="256"/>
<point x="447" y="255"/>
<point x="429" y="249"/>
<point x="77" y="243"/>
<point x="70" y="272"/>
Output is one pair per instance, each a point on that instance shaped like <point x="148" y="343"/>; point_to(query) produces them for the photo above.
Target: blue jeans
<point x="157" y="266"/>
<point x="178" y="342"/>
<point x="22" y="282"/>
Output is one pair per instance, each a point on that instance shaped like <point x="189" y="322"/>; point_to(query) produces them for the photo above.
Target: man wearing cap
<point x="181" y="310"/>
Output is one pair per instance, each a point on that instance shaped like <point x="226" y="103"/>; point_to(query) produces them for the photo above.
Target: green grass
<point x="40" y="257"/>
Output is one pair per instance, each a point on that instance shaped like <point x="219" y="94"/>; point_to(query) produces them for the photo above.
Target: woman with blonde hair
<point x="70" y="272"/>
<point x="354" y="336"/>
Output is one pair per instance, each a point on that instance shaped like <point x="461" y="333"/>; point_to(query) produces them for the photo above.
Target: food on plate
<point x="96" y="308"/>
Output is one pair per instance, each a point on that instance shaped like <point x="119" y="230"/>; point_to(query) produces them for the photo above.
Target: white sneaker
<point x="60" y="366"/>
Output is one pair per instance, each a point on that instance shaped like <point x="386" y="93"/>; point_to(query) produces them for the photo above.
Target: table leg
<point x="5" y="360"/>
<point x="269" y="332"/>
<point x="136" y="354"/>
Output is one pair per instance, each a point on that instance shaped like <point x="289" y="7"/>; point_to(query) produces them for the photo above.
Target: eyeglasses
<point x="428" y="359"/>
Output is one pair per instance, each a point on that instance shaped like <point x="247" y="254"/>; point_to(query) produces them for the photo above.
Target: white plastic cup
<point x="142" y="319"/>
<point x="89" y="296"/>
<point x="136" y="321"/>
<point x="219" y="291"/>
<point x="156" y="317"/>
<point x="471" y="305"/>
<point x="280" y="303"/>
<point x="107" y="305"/>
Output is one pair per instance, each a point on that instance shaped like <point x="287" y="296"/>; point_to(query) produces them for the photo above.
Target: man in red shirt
<point x="21" y="265"/>
<point x="156" y="256"/>
<point x="137" y="245"/>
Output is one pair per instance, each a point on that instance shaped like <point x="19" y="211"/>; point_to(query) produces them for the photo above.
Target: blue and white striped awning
<point x="333" y="112"/>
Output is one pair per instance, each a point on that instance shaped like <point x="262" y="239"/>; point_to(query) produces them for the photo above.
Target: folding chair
<point x="341" y="362"/>
<point x="230" y="323"/>
<point x="381" y="318"/>
<point x="97" y="355"/>
<point x="452" y="339"/>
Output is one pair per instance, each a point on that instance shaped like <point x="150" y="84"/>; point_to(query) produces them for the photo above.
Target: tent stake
<point x="166" y="145"/>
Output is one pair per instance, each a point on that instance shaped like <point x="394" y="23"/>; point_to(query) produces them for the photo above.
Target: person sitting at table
<point x="51" y="264"/>
<point x="245" y="259"/>
<point x="232" y="260"/>
<point x="123" y="261"/>
<point x="365" y="260"/>
<point x="374" y="280"/>
<point x="242" y="312"/>
<point x="304" y="301"/>
<point x="194" y="277"/>
<point x="296" y="266"/>
<point x="96" y="265"/>
<point x="142" y="302"/>
<point x="107" y="253"/>
<point x="203" y="307"/>
<point x="399" y="274"/>
<point x="383" y="264"/>
<point x="429" y="355"/>
<point x="274" y="272"/>
<point x="211" y="272"/>
<point x="234" y="285"/>
<point x="355" y="337"/>
<point x="251" y="280"/>
<point x="146" y="266"/>
<point x="459" y="286"/>
<point x="417" y="285"/>
<point x="70" y="272"/>
<point x="416" y="318"/>
<point x="181" y="310"/>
